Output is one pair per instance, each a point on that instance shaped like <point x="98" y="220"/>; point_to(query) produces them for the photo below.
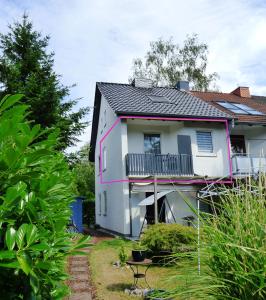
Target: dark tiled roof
<point x="127" y="99"/>
<point x="256" y="102"/>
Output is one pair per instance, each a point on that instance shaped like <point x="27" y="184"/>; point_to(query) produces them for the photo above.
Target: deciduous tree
<point x="166" y="63"/>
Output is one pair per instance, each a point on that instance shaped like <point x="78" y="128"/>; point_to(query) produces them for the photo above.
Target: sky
<point x="98" y="40"/>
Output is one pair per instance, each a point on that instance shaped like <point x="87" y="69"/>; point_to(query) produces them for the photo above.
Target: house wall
<point x="212" y="164"/>
<point x="255" y="138"/>
<point x="117" y="216"/>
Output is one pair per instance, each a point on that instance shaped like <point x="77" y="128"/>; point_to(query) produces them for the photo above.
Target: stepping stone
<point x="79" y="263"/>
<point x="82" y="285"/>
<point x="80" y="276"/>
<point x="78" y="271"/>
<point x="80" y="257"/>
<point x="79" y="268"/>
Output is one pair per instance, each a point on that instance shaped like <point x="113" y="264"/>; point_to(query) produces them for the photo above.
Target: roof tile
<point x="256" y="102"/>
<point x="125" y="98"/>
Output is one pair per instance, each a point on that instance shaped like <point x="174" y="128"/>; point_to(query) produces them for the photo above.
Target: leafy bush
<point x="168" y="237"/>
<point x="83" y="171"/>
<point x="36" y="191"/>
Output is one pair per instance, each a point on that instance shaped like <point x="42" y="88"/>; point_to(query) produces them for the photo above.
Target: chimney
<point x="142" y="82"/>
<point x="242" y="91"/>
<point x="182" y="85"/>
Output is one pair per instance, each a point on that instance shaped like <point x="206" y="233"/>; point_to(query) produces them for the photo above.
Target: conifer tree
<point x="27" y="67"/>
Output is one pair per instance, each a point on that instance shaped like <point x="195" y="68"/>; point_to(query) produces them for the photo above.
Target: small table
<point x="136" y="274"/>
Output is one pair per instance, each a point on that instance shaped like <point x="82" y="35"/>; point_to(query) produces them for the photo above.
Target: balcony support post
<point x="155" y="201"/>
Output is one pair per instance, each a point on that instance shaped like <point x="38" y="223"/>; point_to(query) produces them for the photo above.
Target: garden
<point x="228" y="264"/>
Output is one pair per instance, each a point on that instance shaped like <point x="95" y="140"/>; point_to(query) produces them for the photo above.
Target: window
<point x="100" y="205"/>
<point x="152" y="143"/>
<point x="104" y="117"/>
<point x="105" y="203"/>
<point x="104" y="159"/>
<point x="238" y="144"/>
<point x="204" y="141"/>
<point x="101" y="124"/>
<point x="99" y="164"/>
<point x="239" y="108"/>
<point x="158" y="99"/>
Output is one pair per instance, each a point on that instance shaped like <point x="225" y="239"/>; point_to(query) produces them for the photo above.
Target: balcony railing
<point x="244" y="164"/>
<point x="138" y="164"/>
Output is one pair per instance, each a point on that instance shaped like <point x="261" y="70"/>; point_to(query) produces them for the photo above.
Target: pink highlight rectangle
<point x="197" y="181"/>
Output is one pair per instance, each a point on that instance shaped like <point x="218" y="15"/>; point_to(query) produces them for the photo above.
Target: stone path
<point x="78" y="269"/>
<point x="79" y="281"/>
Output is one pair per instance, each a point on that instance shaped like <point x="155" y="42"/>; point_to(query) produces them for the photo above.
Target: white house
<point x="180" y="139"/>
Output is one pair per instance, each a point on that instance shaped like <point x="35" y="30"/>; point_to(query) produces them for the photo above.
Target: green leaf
<point x="40" y="247"/>
<point x="7" y="254"/>
<point x="24" y="262"/>
<point x="12" y="265"/>
<point x="20" y="235"/>
<point x="31" y="234"/>
<point x="10" y="238"/>
<point x="9" y="101"/>
<point x="34" y="282"/>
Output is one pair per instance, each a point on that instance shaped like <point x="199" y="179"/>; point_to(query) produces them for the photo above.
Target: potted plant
<point x="157" y="295"/>
<point x="138" y="252"/>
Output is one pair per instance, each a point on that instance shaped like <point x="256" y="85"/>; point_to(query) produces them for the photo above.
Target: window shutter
<point x="204" y="141"/>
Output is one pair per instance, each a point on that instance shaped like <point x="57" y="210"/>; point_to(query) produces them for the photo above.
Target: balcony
<point x="244" y="164"/>
<point x="138" y="164"/>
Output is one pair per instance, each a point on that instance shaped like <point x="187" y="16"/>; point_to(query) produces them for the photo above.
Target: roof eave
<point x="127" y="113"/>
<point x="250" y="123"/>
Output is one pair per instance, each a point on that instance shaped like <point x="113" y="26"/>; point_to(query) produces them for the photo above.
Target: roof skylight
<point x="239" y="108"/>
<point x="159" y="99"/>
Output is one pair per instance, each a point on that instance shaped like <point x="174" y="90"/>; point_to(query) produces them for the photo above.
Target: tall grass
<point x="233" y="247"/>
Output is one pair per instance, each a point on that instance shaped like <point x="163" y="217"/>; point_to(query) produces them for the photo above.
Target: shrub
<point x="168" y="237"/>
<point x="36" y="191"/>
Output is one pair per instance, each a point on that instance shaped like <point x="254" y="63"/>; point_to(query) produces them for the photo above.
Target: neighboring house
<point x="179" y="138"/>
<point x="248" y="130"/>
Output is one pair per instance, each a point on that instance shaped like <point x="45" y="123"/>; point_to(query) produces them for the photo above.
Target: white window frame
<point x="205" y="153"/>
<point x="104" y="159"/>
<point x="105" y="203"/>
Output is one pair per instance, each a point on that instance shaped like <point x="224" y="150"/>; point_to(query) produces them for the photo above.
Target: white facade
<point x="116" y="207"/>
<point x="213" y="164"/>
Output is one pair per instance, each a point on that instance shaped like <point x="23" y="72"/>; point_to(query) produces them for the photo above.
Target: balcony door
<point x="152" y="148"/>
<point x="152" y="143"/>
<point x="184" y="144"/>
<point x="185" y="153"/>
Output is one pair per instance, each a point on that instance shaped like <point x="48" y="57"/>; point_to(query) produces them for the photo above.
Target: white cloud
<point x="97" y="40"/>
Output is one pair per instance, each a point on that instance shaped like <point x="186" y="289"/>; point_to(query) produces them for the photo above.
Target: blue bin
<point x="76" y="208"/>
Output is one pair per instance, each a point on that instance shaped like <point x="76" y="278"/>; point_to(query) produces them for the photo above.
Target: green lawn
<point x="111" y="282"/>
